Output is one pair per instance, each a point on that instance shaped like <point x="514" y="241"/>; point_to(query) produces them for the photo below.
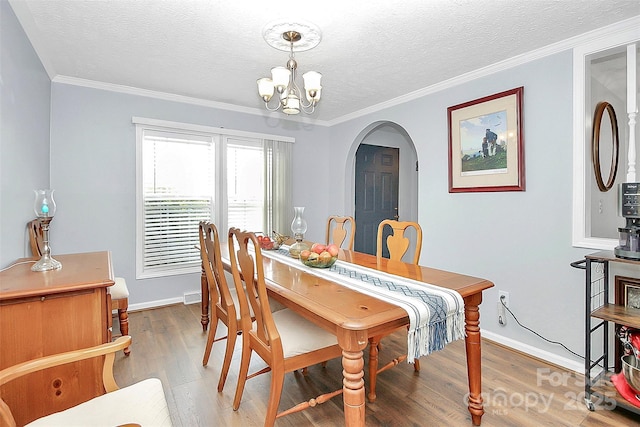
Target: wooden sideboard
<point x="49" y="312"/>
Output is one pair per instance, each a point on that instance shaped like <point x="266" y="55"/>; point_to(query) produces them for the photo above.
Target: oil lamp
<point x="298" y="228"/>
<point x="45" y="209"/>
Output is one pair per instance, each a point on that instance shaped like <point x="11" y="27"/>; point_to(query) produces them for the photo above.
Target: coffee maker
<point x="629" y="235"/>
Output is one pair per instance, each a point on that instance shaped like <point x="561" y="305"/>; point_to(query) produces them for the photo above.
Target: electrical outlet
<point x="503" y="297"/>
<point x="504" y="294"/>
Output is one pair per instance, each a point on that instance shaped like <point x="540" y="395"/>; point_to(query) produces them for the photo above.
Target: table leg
<point x="204" y="292"/>
<point x="353" y="343"/>
<point x="474" y="360"/>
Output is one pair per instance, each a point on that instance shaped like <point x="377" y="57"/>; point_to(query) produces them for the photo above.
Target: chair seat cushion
<point x="119" y="289"/>
<point x="300" y="335"/>
<point x="141" y="403"/>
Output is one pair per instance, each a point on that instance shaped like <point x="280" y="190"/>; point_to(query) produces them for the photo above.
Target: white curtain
<point x="278" y="177"/>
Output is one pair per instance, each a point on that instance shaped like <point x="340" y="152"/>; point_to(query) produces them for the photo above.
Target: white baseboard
<point x="187" y="298"/>
<point x="155" y="304"/>
<point x="553" y="358"/>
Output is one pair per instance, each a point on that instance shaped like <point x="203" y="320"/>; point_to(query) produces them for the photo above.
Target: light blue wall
<point x="93" y="170"/>
<point x="25" y="99"/>
<point x="519" y="240"/>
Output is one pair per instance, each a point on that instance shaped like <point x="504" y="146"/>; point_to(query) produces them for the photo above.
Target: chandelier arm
<point x="294" y="86"/>
<point x="266" y="105"/>
<point x="308" y="104"/>
<point x="308" y="109"/>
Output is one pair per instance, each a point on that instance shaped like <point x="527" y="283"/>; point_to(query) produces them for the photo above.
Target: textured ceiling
<point x="371" y="51"/>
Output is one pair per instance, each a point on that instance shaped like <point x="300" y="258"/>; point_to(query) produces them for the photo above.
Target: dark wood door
<point x="377" y="171"/>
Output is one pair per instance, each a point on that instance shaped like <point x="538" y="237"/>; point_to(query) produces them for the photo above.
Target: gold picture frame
<point x="486" y="147"/>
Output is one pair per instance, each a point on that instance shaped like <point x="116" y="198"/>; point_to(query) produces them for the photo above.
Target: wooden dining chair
<point x="285" y="340"/>
<point x="396" y="242"/>
<point x="119" y="291"/>
<point x="223" y="301"/>
<point x="341" y="229"/>
<point x="398" y="245"/>
<point x="35" y="237"/>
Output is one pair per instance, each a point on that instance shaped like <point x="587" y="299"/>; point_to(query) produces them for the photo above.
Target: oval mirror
<point x="596" y="150"/>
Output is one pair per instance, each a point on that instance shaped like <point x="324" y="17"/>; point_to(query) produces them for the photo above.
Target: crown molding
<point x="631" y="24"/>
<point x="594" y="36"/>
<point x="175" y="98"/>
<point x="151" y="94"/>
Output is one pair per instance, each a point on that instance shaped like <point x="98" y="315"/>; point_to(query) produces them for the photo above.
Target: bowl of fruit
<point x="267" y="243"/>
<point x="271" y="243"/>
<point x="320" y="256"/>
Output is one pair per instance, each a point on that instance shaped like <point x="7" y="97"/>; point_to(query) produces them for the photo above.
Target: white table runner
<point x="436" y="314"/>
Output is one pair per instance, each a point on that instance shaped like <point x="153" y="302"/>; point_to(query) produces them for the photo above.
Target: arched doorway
<point x="388" y="134"/>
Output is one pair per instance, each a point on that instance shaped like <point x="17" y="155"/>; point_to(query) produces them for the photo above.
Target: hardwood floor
<point x="168" y="343"/>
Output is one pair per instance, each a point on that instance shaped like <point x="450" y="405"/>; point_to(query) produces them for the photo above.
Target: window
<point x="245" y="184"/>
<point x="177" y="192"/>
<point x="595" y="217"/>
<point x="187" y="174"/>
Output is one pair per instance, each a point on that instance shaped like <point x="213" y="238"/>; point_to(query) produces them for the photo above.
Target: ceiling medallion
<point x="310" y="35"/>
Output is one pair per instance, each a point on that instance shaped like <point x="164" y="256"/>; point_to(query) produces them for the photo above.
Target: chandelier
<point x="283" y="79"/>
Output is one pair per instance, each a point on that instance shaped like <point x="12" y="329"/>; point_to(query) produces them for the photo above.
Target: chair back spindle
<point x="340" y="231"/>
<point x="35" y="237"/>
<point x="248" y="276"/>
<point x="214" y="270"/>
<point x="397" y="244"/>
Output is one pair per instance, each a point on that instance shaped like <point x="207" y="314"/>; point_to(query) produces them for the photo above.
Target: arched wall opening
<point x="388" y="134"/>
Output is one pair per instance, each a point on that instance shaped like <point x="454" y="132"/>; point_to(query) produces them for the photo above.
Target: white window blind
<point x="190" y="173"/>
<point x="178" y="193"/>
<point x="245" y="184"/>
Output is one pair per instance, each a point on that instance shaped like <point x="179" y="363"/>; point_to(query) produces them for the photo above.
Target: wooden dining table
<point x="355" y="317"/>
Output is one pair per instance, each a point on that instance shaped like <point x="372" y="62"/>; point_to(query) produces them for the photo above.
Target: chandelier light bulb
<point x="313" y="96"/>
<point x="312" y="80"/>
<point x="280" y="77"/>
<point x="265" y="88"/>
